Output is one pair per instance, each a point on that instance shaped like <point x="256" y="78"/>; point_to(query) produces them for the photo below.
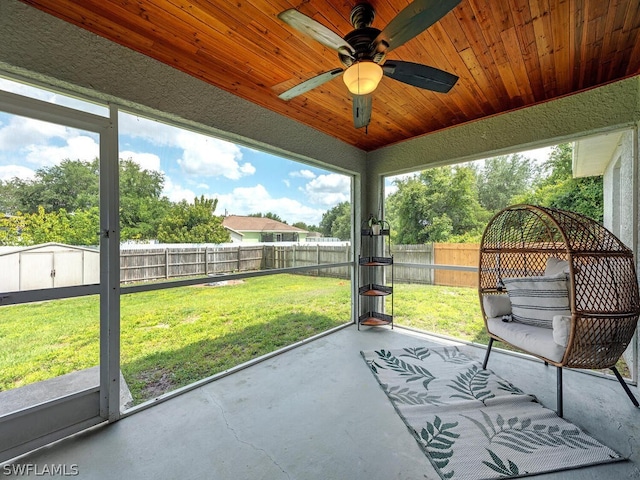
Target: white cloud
<point x="147" y="161"/>
<point x="21" y="131"/>
<point x="248" y="200"/>
<point x="177" y="193"/>
<point x="202" y="156"/>
<point x="8" y="172"/>
<point x="45" y="144"/>
<point x="390" y="189"/>
<point x="540" y="155"/>
<point x="209" y="157"/>
<point x="308" y="174"/>
<point x="76" y="148"/>
<point x="328" y="190"/>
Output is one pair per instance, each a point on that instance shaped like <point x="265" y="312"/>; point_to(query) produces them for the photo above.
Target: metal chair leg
<point x="633" y="399"/>
<point x="559" y="409"/>
<point x="486" y="357"/>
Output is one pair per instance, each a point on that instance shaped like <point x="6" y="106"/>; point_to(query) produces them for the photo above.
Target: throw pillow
<point x="536" y="300"/>
<point x="496" y="305"/>
<point x="561" y="329"/>
<point x="555" y="266"/>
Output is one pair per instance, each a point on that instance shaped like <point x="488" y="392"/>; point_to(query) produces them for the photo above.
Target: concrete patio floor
<point x="316" y="412"/>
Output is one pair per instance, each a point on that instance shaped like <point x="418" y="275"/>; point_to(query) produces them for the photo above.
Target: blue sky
<point x="244" y="180"/>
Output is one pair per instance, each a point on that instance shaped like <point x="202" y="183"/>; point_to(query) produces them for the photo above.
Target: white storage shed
<point x="48" y="265"/>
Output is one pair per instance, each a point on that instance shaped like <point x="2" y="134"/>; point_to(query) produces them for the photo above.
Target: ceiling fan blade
<point x="316" y="30"/>
<point x="421" y="76"/>
<point x="412" y="21"/>
<point x="310" y="84"/>
<point x="362" y="106"/>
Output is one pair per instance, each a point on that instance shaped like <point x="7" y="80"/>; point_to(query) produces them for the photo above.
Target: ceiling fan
<point x="363" y="52"/>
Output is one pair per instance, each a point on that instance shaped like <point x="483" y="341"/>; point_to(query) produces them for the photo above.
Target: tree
<point x="74" y="186"/>
<point x="336" y="222"/>
<point x="142" y="205"/>
<point x="558" y="188"/>
<point x="270" y="215"/>
<point x="76" y="228"/>
<point x="71" y="185"/>
<point x="502" y="178"/>
<point x="304" y="226"/>
<point x="193" y="223"/>
<point x="11" y="228"/>
<point x="10" y="196"/>
<point x="436" y="205"/>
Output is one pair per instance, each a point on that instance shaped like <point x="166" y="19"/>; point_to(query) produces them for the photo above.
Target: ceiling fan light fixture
<point x="362" y="77"/>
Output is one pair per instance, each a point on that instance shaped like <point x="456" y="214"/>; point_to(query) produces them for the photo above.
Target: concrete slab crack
<point x="215" y="401"/>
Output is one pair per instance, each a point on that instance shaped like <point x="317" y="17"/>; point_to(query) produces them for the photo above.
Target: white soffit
<point x="592" y="155"/>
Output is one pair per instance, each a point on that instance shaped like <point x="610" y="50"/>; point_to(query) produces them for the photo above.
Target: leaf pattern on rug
<point x="512" y="389"/>
<point x="522" y="436"/>
<point x="439" y="440"/>
<point x="419" y="353"/>
<point x="453" y="355"/>
<point x="409" y="397"/>
<point x="499" y="466"/>
<point x="404" y="369"/>
<point x="472" y="384"/>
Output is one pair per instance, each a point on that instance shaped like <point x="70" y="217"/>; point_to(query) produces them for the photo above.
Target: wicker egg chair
<point x="520" y="242"/>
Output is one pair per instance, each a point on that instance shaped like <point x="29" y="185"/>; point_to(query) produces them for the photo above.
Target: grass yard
<point x="173" y="337"/>
<point x="450" y="311"/>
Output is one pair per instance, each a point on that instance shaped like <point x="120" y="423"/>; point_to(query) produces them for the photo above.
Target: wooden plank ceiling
<point x="507" y="53"/>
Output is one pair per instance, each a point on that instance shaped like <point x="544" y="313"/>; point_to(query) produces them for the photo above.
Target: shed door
<point x="67" y="268"/>
<point x="36" y="270"/>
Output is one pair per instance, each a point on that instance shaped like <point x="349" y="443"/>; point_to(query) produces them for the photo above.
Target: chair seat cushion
<point x="535" y="340"/>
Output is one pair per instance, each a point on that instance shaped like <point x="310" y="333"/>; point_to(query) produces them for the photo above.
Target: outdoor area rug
<point x="472" y="424"/>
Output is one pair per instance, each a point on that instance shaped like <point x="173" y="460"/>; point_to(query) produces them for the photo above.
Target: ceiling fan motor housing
<point x="361" y="39"/>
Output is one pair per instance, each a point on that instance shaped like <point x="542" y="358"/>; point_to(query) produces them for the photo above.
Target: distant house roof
<point x="257" y="224"/>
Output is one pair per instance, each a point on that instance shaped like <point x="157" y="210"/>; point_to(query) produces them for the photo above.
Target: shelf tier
<point x="367" y="232"/>
<point x="376" y="261"/>
<point x="375" y="319"/>
<point x="375" y="290"/>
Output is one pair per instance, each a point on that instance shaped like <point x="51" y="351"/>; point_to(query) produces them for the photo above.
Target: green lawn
<point x="173" y="337"/>
<point x="450" y="311"/>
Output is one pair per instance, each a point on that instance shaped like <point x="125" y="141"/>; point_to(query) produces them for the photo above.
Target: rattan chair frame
<point x="603" y="285"/>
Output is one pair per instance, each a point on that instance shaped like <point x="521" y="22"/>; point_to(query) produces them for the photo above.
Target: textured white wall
<point x="620" y="201"/>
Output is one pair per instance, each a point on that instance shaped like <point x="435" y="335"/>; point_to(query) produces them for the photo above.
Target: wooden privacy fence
<point x="138" y="265"/>
<point x="288" y="256"/>
<point x="413" y="256"/>
<point x="412" y="262"/>
<point x="462" y="254"/>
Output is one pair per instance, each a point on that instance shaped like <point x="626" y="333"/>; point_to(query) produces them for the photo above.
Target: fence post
<point x="206" y="260"/>
<point x="239" y="252"/>
<point x="166" y="263"/>
<point x="295" y="256"/>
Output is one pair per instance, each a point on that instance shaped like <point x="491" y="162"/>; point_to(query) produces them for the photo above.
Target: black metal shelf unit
<point x="375" y="265"/>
